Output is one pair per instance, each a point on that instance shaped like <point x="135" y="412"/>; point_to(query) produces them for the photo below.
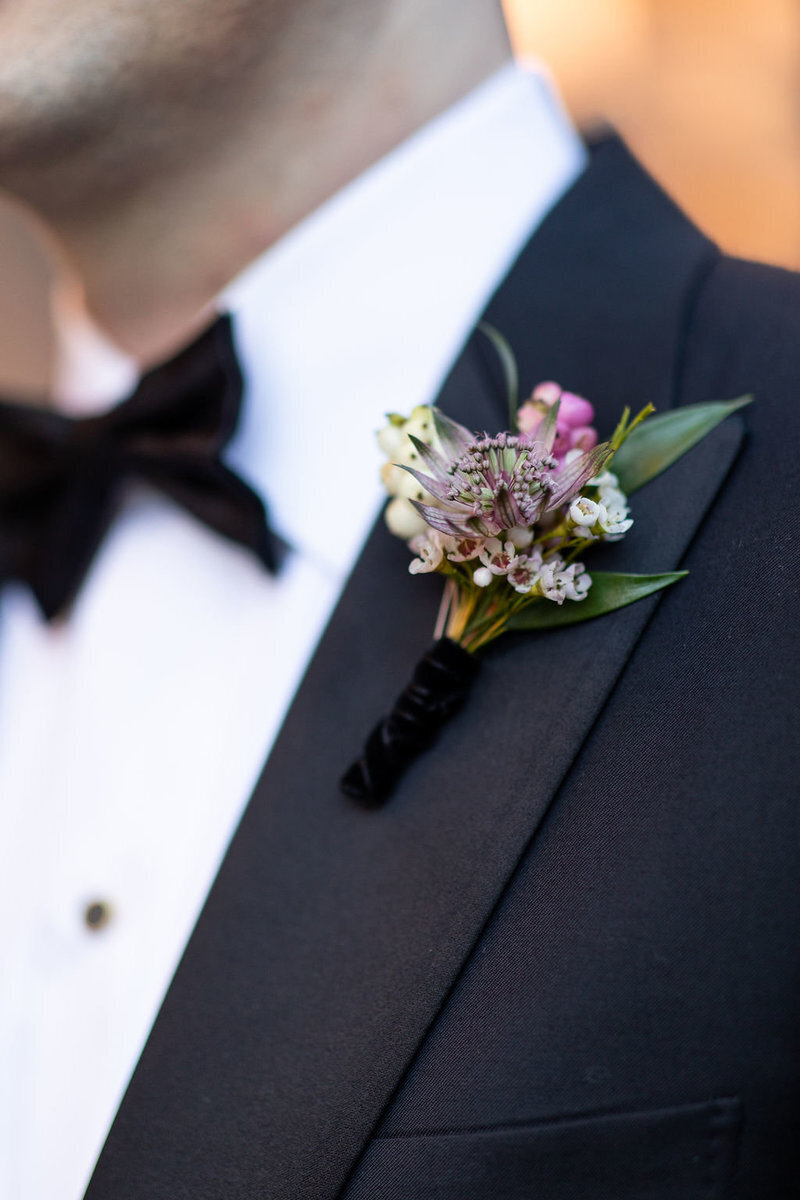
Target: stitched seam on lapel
<point x="718" y="1110"/>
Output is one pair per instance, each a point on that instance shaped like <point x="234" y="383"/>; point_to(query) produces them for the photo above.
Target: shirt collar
<point x="362" y="307"/>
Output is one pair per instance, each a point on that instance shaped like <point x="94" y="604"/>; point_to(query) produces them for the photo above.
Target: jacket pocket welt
<point x="681" y="1153"/>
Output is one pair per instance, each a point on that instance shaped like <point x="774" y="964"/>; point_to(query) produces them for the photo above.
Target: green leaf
<point x="608" y="592"/>
<point x="659" y="441"/>
<point x="509" y="365"/>
<point x="546" y="433"/>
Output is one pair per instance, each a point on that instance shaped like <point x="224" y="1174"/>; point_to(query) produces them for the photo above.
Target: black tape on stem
<point x="440" y="684"/>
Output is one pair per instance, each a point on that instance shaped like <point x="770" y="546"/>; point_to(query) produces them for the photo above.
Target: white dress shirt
<point x="132" y="733"/>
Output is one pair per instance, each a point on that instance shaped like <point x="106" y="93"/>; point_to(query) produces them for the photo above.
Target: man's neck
<point x="150" y="262"/>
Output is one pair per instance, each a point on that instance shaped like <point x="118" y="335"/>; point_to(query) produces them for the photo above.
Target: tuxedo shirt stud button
<point x="97" y="915"/>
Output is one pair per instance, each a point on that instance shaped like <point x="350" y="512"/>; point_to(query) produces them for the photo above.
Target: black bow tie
<point x="61" y="478"/>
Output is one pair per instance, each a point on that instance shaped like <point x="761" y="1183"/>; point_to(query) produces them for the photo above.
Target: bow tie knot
<point x="61" y="478"/>
<point x="80" y="447"/>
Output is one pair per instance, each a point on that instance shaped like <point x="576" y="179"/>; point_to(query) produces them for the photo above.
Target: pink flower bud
<point x="584" y="437"/>
<point x="575" y="410"/>
<point x="547" y="393"/>
<point x="529" y="417"/>
<point x="563" y="441"/>
<point x="573" y="427"/>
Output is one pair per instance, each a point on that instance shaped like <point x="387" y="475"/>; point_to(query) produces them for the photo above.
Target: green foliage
<point x="659" y="441"/>
<point x="510" y="373"/>
<point x="608" y="592"/>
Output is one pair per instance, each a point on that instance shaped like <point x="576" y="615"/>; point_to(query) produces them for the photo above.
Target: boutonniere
<point x="513" y="522"/>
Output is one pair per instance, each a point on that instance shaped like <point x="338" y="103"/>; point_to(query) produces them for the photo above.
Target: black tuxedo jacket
<point x="562" y="962"/>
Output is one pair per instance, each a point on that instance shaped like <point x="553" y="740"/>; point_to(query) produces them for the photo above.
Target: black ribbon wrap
<point x="439" y="686"/>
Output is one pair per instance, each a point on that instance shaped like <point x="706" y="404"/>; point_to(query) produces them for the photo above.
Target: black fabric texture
<point x="688" y="1151"/>
<point x="62" y="478"/>
<point x="583" y="899"/>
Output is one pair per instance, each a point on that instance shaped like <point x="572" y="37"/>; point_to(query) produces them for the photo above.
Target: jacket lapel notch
<point x="619" y="266"/>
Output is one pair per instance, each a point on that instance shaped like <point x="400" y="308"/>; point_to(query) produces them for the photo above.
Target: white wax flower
<point x="613" y="498"/>
<point x="584" y="512"/>
<point x="614" y="521"/>
<point x="430" y="553"/>
<point x="559" y="583"/>
<point x="499" y="557"/>
<point x="524" y="575"/>
<point x="606" y="479"/>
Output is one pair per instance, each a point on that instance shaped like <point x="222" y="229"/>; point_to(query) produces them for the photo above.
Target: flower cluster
<point x="502" y="517"/>
<point x="603" y="513"/>
<point x="528" y="573"/>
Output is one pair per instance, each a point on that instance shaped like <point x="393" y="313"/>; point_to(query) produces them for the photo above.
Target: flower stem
<point x="448" y="596"/>
<point x="478" y="640"/>
<point x="459" y="619"/>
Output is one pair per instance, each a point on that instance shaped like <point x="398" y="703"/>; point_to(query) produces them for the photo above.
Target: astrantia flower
<point x="485" y="485"/>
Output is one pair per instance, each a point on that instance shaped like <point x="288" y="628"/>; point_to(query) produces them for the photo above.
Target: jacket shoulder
<point x="742" y="333"/>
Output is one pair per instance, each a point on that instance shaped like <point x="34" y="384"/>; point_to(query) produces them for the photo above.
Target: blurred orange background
<point x="704" y="91"/>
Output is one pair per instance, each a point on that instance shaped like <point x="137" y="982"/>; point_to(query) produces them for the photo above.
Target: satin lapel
<point x="600" y="297"/>
<point x="333" y="935"/>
